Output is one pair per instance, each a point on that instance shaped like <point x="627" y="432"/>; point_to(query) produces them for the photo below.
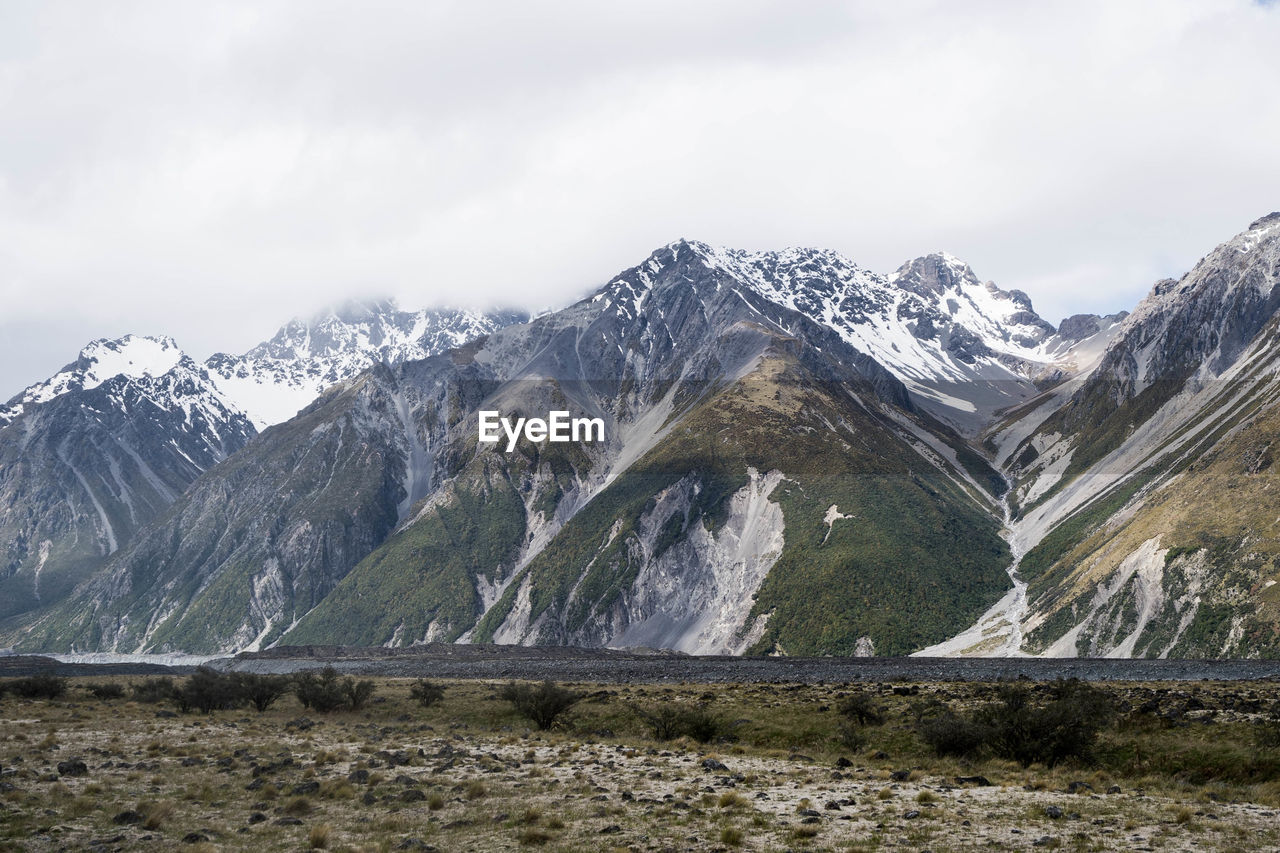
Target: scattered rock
<point x="1052" y="812"/>
<point x="412" y="795"/>
<point x="106" y="842"/>
<point x="900" y="775"/>
<point x="127" y="818"/>
<point x="611" y="829"/>
<point x="912" y="815"/>
<point x="712" y="764"/>
<point x="257" y="817"/>
<point x="1079" y="787"/>
<point x="303" y="788"/>
<point x="73" y="767"/>
<point x="1114" y="789"/>
<point x="194" y="838"/>
<point x="843" y="762"/>
<point x="980" y="781"/>
<point x="358" y="777"/>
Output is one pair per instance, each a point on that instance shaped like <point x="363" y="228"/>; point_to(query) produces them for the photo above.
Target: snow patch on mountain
<point x="100" y="360"/>
<point x="964" y="348"/>
<point x="273" y="381"/>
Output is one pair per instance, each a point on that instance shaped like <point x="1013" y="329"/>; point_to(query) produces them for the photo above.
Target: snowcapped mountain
<point x="105" y="445"/>
<point x="964" y="348"/>
<point x="97" y="452"/>
<point x="131" y="356"/>
<point x="375" y="517"/>
<point x="801" y="456"/>
<point x="276" y="379"/>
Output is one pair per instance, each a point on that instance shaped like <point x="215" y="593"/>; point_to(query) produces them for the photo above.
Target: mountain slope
<point x="1142" y="494"/>
<point x="663" y="354"/>
<point x="105" y="445"/>
<point x="684" y="522"/>
<point x="94" y="454"/>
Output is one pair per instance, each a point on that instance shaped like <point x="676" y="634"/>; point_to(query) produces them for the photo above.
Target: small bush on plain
<point x="426" y="693"/>
<point x="327" y="692"/>
<point x="260" y="690"/>
<point x="1066" y="726"/>
<point x="541" y="704"/>
<point x="154" y="690"/>
<point x="107" y="691"/>
<point x="948" y="733"/>
<point x="38" y="687"/>
<point x="862" y="708"/>
<point x="670" y="720"/>
<point x="208" y="690"/>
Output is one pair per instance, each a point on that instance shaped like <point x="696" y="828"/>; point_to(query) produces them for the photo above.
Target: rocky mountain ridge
<point x="802" y="457"/>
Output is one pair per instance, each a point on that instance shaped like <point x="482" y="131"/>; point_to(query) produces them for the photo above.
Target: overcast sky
<point x="209" y="170"/>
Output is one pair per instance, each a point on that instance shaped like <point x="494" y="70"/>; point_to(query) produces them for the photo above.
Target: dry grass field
<point x="786" y="767"/>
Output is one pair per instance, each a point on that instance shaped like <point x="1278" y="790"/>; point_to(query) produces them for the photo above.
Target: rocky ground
<point x="652" y="666"/>
<point x="469" y="773"/>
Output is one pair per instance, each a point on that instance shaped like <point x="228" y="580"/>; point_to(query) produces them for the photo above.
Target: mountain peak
<point x="104" y="359"/>
<point x="1267" y="221"/>
<point x="933" y="274"/>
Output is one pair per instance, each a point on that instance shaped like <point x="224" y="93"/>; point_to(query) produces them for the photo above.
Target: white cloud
<point x="210" y="170"/>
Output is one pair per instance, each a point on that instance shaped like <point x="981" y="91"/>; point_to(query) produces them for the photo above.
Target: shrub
<point x="541" y="704"/>
<point x="326" y="692"/>
<point x="38" y="687"/>
<point x="1066" y="726"/>
<point x="107" y="691"/>
<point x="358" y="693"/>
<point x="861" y="708"/>
<point x="155" y="814"/>
<point x="426" y="693"/>
<point x="208" y="690"/>
<point x="262" y="691"/>
<point x="669" y="721"/>
<point x="852" y="736"/>
<point x="154" y="690"/>
<point x="948" y="733"/>
<point x="321" y="693"/>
